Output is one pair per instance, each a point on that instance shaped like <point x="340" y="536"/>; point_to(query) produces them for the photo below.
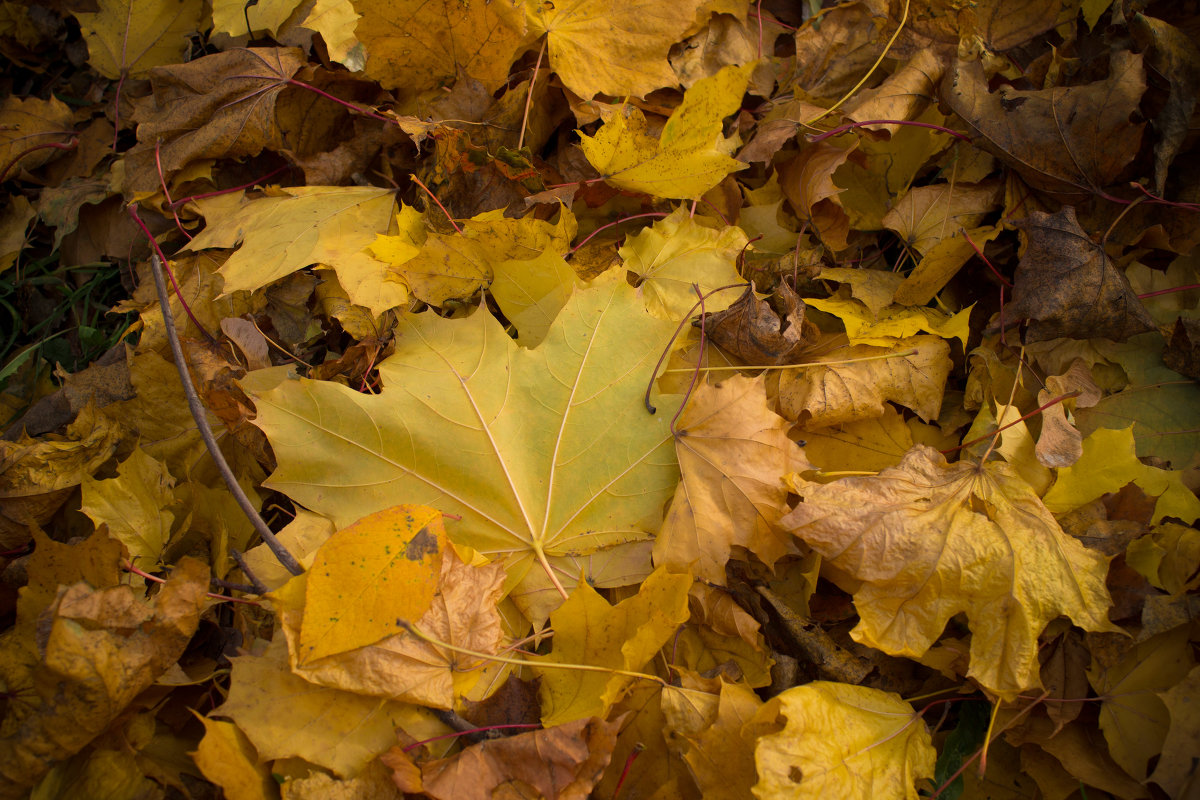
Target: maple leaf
<point x="842" y="741"/>
<point x="733" y="452"/>
<point x="929" y="540"/>
<point x="128" y="38"/>
<point x="688" y="158"/>
<point x="545" y="453"/>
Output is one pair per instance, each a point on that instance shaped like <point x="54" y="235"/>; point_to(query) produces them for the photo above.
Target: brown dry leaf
<point x="762" y="332"/>
<point x="807" y="182"/>
<point x="1176" y="770"/>
<point x="219" y="106"/>
<point x="997" y="24"/>
<point x="1173" y="54"/>
<point x="560" y="763"/>
<point x="419" y="45"/>
<point x="903" y="95"/>
<point x="1069" y="286"/>
<point x="930" y="539"/>
<point x="1060" y="139"/>
<point x="1078" y="752"/>
<point x="912" y="373"/>
<point x="1182" y="350"/>
<point x="1060" y="444"/>
<point x="833" y="56"/>
<point x="733" y="452"/>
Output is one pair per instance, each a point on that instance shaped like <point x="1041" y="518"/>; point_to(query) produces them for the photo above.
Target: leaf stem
<point x="805" y="365"/>
<point x="1036" y="411"/>
<point x="418" y="182"/>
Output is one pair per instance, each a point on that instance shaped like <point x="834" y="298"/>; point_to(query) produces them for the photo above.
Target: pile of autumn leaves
<point x="545" y="498"/>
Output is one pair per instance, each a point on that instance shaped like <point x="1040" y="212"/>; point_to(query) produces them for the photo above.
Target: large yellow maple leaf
<point x="930" y="540"/>
<point x="545" y="453"/>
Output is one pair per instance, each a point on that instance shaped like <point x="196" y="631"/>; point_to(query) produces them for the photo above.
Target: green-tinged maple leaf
<point x="689" y="157"/>
<point x="678" y="253"/>
<point x="330" y="225"/>
<point x="929" y="540"/>
<point x="587" y="630"/>
<point x="545" y="453"/>
<point x="843" y="741"/>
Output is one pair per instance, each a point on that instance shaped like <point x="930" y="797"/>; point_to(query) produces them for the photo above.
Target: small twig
<point x="256" y="584"/>
<point x="198" y="413"/>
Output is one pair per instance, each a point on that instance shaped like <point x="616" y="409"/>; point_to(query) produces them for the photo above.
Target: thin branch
<point x="288" y="561"/>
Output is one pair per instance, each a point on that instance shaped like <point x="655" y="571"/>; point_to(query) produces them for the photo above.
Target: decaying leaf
<point x="929" y="539"/>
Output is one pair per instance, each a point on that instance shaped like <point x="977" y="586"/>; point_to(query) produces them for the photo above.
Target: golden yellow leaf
<point x="135" y="506"/>
<point x="893" y="322"/>
<point x="690" y="156"/>
<point x="27" y="122"/>
<point x="600" y="48"/>
<point x="129" y="37"/>
<point x="721" y="753"/>
<point x="369" y="578"/>
<point x="676" y="253"/>
<point x="929" y="540"/>
<point x="587" y="630"/>
<point x="284" y="716"/>
<point x="419" y="45"/>
<point x="733" y="453"/>
<point x="1168" y="556"/>
<point x="843" y="741"/>
<point x="1176" y="770"/>
<point x="1108" y="463"/>
<point x="229" y="16"/>
<point x="927" y="215"/>
<point x="329" y="225"/>
<point x="226" y="757"/>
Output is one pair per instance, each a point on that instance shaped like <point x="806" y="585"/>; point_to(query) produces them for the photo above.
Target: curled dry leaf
<point x="762" y="332"/>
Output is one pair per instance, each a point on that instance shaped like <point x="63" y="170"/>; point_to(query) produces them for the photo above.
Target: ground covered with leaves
<point x="662" y="400"/>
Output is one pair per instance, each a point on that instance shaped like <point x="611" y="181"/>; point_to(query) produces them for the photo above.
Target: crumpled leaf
<point x="29" y="121"/>
<point x="930" y="540"/>
<point x="1168" y="557"/>
<point x="1068" y="284"/>
<point x="102" y="647"/>
<point x="368" y="577"/>
<point x="1059" y="139"/>
<point x="563" y="762"/>
<point x="676" y="253"/>
<point x="587" y="630"/>
<point x="763" y="332"/>
<point x="690" y="156"/>
<point x="126" y="38"/>
<point x="202" y="109"/>
<point x="733" y="452"/>
<point x="843" y="741"/>
<point x="912" y="372"/>
<point x="598" y="48"/>
<point x="719" y="750"/>
<point x="512" y="443"/>
<point x="884" y="327"/>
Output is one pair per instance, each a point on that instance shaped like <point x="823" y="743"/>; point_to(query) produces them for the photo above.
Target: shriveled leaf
<point x="369" y="577"/>
<point x="930" y="540"/>
<point x="763" y="332"/>
<point x="28" y="122"/>
<point x="843" y="741"/>
<point x="912" y="372"/>
<point x="733" y="452"/>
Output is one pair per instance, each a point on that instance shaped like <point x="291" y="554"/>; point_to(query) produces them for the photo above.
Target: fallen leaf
<point x="1059" y="139"/>
<point x="135" y="506"/>
<point x="28" y="122"/>
<point x="624" y="637"/>
<point x="973" y="539"/>
<point x="598" y="49"/>
<point x="1070" y="287"/>
<point x="733" y="453"/>
<point x="1176" y="770"/>
<point x="1168" y="557"/>
<point x="842" y="741"/>
<point x="128" y="38"/>
<point x="927" y="215"/>
<point x="226" y="757"/>
<point x="763" y="332"/>
<point x="688" y="158"/>
<point x="912" y="372"/>
<point x="488" y="450"/>
<point x="369" y="577"/>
